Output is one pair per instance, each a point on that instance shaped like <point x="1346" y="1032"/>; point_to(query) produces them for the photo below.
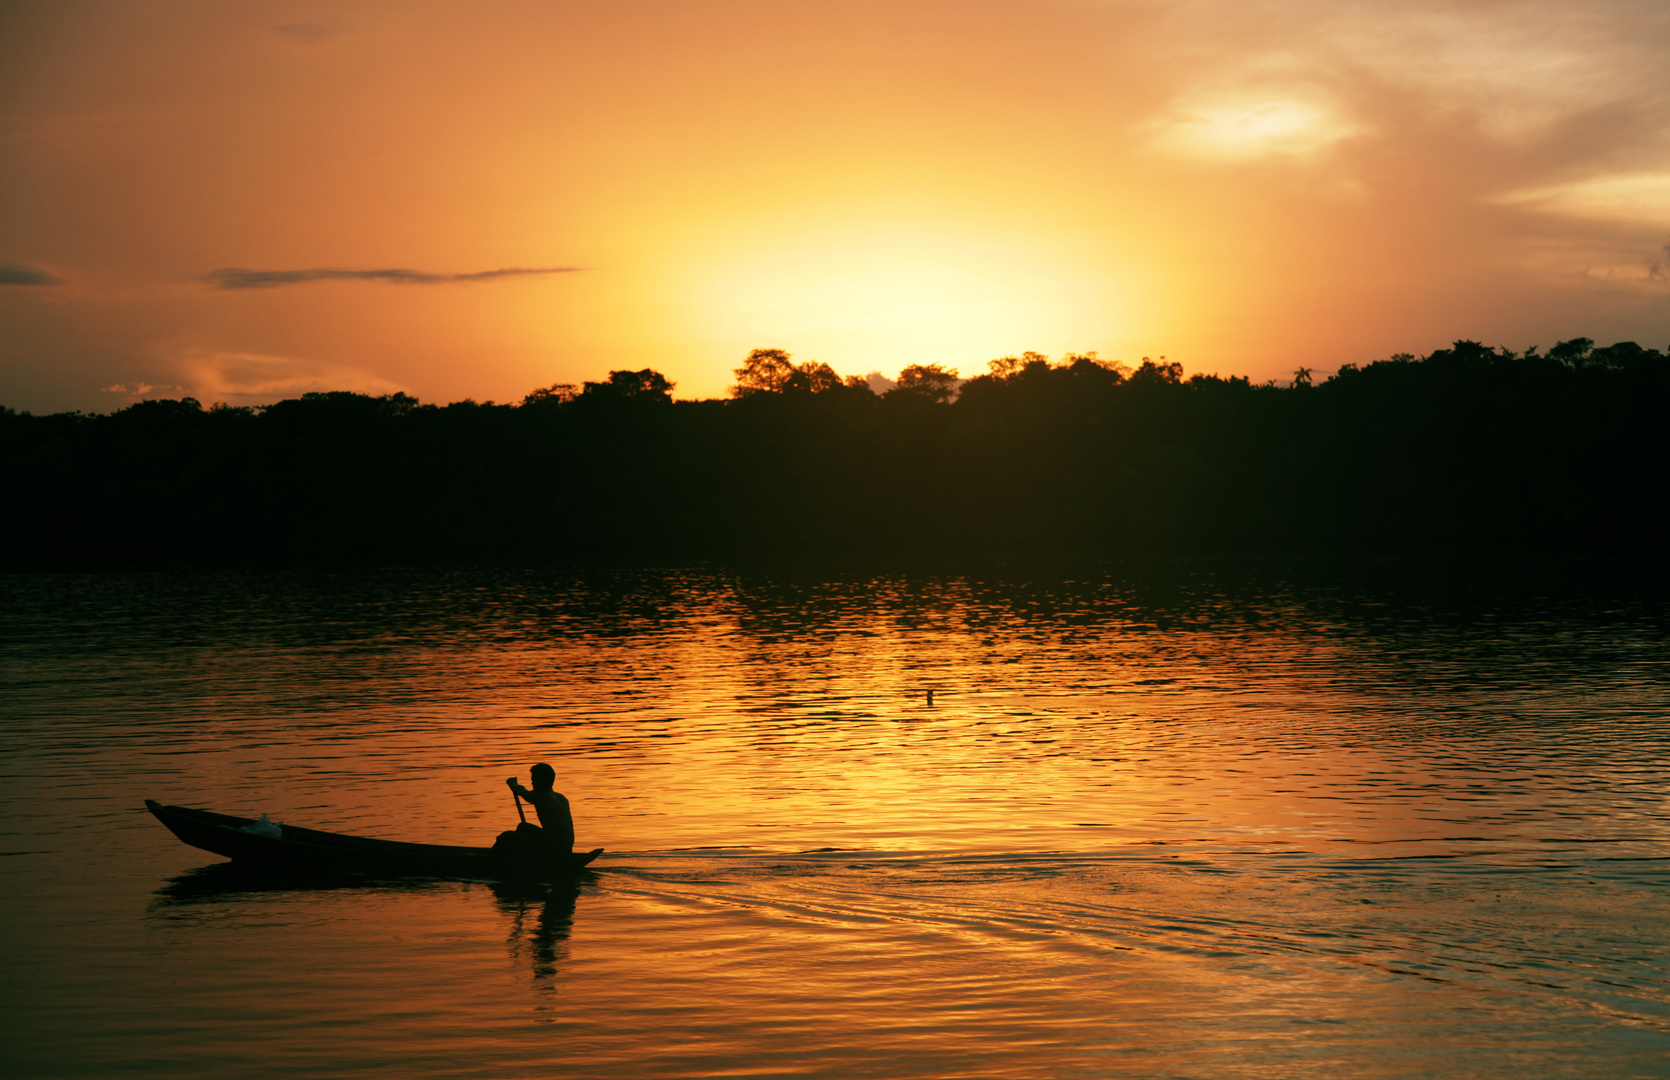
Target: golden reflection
<point x="541" y="917"/>
<point x="1183" y="832"/>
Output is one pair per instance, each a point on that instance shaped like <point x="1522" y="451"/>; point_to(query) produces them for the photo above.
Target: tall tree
<point x="931" y="381"/>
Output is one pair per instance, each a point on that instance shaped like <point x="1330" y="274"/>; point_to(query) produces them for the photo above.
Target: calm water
<point x="1193" y="822"/>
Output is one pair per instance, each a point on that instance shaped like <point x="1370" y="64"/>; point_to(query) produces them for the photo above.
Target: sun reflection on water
<point x="1185" y="826"/>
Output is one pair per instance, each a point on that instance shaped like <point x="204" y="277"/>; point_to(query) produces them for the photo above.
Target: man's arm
<point x="521" y="792"/>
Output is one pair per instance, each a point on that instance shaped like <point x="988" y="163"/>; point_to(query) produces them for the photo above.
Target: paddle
<point x="514" y="794"/>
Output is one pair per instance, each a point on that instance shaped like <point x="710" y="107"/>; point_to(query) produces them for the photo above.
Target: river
<point x="1176" y="820"/>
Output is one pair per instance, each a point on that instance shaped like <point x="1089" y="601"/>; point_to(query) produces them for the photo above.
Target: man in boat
<point x="555" y="832"/>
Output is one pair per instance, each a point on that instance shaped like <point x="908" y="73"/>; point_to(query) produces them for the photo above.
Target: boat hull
<point x="310" y="849"/>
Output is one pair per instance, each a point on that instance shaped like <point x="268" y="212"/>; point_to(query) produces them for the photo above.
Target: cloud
<point x="1517" y="73"/>
<point x="1518" y="65"/>
<point x="1442" y="114"/>
<point x="1247" y="128"/>
<point x="1633" y="198"/>
<point x="235" y="376"/>
<point x="238" y="278"/>
<point x="18" y="274"/>
<point x="141" y="389"/>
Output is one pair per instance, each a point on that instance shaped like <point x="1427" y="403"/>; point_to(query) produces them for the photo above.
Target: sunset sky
<point x="244" y="201"/>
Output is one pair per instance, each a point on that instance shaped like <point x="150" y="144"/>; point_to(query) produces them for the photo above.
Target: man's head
<point x="544" y="777"/>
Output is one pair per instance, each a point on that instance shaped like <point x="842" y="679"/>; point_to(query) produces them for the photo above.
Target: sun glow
<point x="895" y="297"/>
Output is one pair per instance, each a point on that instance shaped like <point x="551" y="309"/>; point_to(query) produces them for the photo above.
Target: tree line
<point x="1469" y="448"/>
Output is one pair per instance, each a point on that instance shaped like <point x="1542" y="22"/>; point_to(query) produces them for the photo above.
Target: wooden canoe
<point x="309" y="849"/>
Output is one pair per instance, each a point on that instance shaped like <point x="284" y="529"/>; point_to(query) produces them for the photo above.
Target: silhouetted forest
<point x="1469" y="448"/>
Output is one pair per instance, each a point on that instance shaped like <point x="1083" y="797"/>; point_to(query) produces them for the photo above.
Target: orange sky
<point x="1243" y="186"/>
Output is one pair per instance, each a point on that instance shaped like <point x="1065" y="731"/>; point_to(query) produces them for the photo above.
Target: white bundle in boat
<point x="269" y="829"/>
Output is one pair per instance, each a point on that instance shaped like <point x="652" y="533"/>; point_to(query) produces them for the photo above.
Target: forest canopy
<point x="1467" y="448"/>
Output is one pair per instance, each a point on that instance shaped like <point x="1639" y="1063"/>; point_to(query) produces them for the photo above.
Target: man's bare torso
<point x="554" y="818"/>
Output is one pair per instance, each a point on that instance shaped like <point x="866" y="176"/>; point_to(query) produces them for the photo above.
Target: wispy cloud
<point x="1518" y="68"/>
<point x="239" y="278"/>
<point x="18" y="274"/>
<point x="1627" y="197"/>
<point x="1230" y="129"/>
<point x="240" y="376"/>
<point x="1443" y="114"/>
<point x="1572" y="90"/>
<point x="140" y="390"/>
